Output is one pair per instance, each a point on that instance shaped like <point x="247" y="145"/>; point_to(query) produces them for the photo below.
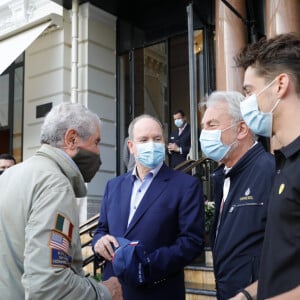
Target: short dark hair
<point x="270" y="57"/>
<point x="7" y="157"/>
<point x="179" y="111"/>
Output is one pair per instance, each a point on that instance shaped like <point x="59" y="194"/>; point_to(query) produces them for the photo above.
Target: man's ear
<point x="70" y="139"/>
<point x="130" y="146"/>
<point x="284" y="84"/>
<point x="243" y="130"/>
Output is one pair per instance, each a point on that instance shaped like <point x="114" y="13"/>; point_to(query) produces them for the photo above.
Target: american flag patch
<point x="58" y="241"/>
<point x="64" y="225"/>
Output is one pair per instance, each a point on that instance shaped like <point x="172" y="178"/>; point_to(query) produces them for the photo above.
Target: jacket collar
<point x="65" y="163"/>
<point x="151" y="195"/>
<point x="243" y="162"/>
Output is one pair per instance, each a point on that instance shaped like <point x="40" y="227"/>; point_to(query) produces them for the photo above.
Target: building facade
<point x="120" y="61"/>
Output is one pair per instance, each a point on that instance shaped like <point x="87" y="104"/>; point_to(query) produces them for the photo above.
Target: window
<point x="11" y="108"/>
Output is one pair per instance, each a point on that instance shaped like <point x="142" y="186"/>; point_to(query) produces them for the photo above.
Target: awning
<point x="13" y="46"/>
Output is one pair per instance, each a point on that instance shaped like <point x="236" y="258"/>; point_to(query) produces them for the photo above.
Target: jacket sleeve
<point x="52" y="254"/>
<point x="102" y="228"/>
<point x="185" y="143"/>
<point x="168" y="260"/>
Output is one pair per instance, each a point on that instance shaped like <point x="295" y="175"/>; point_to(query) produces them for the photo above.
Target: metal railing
<point x="201" y="168"/>
<point x="86" y="231"/>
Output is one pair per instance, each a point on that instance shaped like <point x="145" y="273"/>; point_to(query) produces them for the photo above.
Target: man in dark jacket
<point x="6" y="161"/>
<point x="242" y="185"/>
<point x="272" y="108"/>
<point x="180" y="140"/>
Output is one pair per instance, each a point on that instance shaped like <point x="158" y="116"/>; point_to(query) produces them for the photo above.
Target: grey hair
<point x="135" y="120"/>
<point x="233" y="100"/>
<point x="66" y="116"/>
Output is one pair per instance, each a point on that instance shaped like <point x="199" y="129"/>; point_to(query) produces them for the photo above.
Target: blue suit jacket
<point x="169" y="222"/>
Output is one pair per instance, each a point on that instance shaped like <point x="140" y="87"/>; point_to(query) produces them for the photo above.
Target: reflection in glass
<point x="18" y="113"/>
<point x="4" y="88"/>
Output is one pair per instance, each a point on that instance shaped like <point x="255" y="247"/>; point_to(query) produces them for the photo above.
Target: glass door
<point x="143" y="87"/>
<point x="11" y="109"/>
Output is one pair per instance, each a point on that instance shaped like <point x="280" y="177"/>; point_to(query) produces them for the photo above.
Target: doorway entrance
<point x="155" y="80"/>
<point x="11" y="109"/>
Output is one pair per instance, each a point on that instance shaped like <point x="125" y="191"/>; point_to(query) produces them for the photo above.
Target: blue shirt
<point x="139" y="189"/>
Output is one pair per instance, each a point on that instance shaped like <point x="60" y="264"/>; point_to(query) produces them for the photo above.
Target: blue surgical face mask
<point x="259" y="122"/>
<point x="178" y="122"/>
<point x="150" y="154"/>
<point x="211" y="144"/>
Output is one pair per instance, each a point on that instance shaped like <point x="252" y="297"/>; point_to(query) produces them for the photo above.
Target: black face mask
<point x="88" y="163"/>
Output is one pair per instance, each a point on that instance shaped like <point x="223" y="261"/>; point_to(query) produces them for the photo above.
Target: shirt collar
<point x="226" y="170"/>
<point x="153" y="171"/>
<point x="185" y="123"/>
<point x="67" y="156"/>
<point x="290" y="149"/>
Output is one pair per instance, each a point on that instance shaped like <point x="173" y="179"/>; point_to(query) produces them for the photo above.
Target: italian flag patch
<point x="64" y="225"/>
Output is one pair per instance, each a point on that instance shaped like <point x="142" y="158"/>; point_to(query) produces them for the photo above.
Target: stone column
<point x="282" y="16"/>
<point x="231" y="37"/>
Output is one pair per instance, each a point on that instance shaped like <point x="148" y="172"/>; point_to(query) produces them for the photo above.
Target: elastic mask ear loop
<point x="229" y="128"/>
<point x="266" y="87"/>
<point x="222" y="130"/>
<point x="275" y="105"/>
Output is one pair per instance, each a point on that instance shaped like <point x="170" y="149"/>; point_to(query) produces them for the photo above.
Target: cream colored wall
<point x="48" y="79"/>
<point x="97" y="89"/>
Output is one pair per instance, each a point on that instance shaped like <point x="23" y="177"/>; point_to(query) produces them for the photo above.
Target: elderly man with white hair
<point x="242" y="183"/>
<point x="40" y="254"/>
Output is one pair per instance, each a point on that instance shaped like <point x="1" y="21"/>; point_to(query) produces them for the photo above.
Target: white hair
<point x="233" y="100"/>
<point x="65" y="116"/>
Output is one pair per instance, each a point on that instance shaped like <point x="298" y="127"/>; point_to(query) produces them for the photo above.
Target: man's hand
<point x="238" y="296"/>
<point x="114" y="287"/>
<point x="251" y="289"/>
<point x="104" y="246"/>
<point x="173" y="147"/>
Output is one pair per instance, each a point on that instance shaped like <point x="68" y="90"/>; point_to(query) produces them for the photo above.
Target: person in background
<point x="180" y="140"/>
<point x="241" y="184"/>
<point x="40" y="253"/>
<point x="272" y="109"/>
<point x="128" y="158"/>
<point x="6" y="161"/>
<point x="161" y="208"/>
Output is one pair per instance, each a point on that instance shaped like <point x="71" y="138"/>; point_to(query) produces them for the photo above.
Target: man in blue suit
<point x="161" y="208"/>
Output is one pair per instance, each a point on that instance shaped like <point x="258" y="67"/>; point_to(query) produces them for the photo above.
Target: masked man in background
<point x="180" y="140"/>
